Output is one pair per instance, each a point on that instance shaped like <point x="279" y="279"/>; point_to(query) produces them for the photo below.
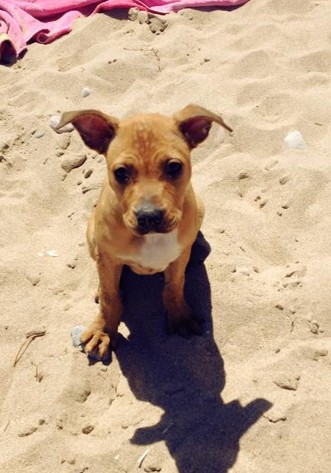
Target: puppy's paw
<point x="97" y="343"/>
<point x="185" y="326"/>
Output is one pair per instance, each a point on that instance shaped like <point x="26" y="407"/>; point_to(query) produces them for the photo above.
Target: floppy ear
<point x="96" y="128"/>
<point x="194" y="123"/>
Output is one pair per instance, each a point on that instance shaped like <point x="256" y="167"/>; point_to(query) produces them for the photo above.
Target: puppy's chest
<point x="155" y="253"/>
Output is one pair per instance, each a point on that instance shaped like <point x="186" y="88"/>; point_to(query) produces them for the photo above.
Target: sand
<point x="251" y="395"/>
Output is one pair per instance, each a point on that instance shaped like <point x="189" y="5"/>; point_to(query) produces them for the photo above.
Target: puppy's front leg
<point x="103" y="330"/>
<point x="179" y="313"/>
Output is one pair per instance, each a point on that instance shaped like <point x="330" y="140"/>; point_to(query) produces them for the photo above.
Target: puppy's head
<point x="148" y="160"/>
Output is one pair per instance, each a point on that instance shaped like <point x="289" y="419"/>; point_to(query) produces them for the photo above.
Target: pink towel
<point x="22" y="21"/>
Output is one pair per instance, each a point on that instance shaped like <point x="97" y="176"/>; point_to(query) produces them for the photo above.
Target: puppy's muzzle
<point x="149" y="219"/>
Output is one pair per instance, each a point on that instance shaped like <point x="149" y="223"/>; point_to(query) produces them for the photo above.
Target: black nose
<point x="149" y="218"/>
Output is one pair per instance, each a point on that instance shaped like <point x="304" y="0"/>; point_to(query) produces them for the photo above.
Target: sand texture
<point x="253" y="394"/>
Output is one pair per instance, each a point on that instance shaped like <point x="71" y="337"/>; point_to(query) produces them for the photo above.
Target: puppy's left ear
<point x="95" y="128"/>
<point x="194" y="123"/>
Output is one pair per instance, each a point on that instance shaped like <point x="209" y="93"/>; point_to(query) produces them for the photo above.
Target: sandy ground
<point x="251" y="395"/>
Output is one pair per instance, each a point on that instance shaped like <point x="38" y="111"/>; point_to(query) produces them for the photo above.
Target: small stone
<point x="314" y="327"/>
<point x="87" y="429"/>
<point x="133" y="14"/>
<point x="72" y="264"/>
<point x="42" y="421"/>
<point x="256" y="269"/>
<point x="39" y="133"/>
<point x="64" y="141"/>
<point x="289" y="383"/>
<point x="317" y="354"/>
<point x="295" y="140"/>
<point x="151" y="466"/>
<point x="279" y="307"/>
<point x="54" y="123"/>
<point x="142" y="17"/>
<point x="85" y="92"/>
<point x="73" y="162"/>
<point x="79" y="182"/>
<point x="243" y="270"/>
<point x="156" y="24"/>
<point x="88" y="173"/>
<point x="75" y="335"/>
<point x="274" y="416"/>
<point x="34" y="279"/>
<point x="52" y="253"/>
<point x="283" y="180"/>
<point x="243" y="175"/>
<point x="285" y="206"/>
<point x="279" y="212"/>
<point x="28" y="431"/>
<point x="263" y="203"/>
<point x="59" y="153"/>
<point x="90" y="187"/>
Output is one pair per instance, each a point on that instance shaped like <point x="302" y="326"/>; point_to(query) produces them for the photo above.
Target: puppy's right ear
<point x="96" y="128"/>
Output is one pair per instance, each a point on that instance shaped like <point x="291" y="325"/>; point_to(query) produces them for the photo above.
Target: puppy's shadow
<point x="183" y="377"/>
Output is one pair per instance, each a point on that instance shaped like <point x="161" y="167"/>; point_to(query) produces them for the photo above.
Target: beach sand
<point x="253" y="394"/>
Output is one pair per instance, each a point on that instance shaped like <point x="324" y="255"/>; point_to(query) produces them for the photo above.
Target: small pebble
<point x="75" y="335"/>
<point x="263" y="203"/>
<point x="279" y="306"/>
<point x="243" y="175"/>
<point x="68" y="164"/>
<point x="133" y="14"/>
<point x="283" y="180"/>
<point x="54" y="122"/>
<point x="142" y="17"/>
<point x="64" y="141"/>
<point x="314" y="327"/>
<point x="72" y="264"/>
<point x="243" y="270"/>
<point x="295" y="140"/>
<point x="28" y="431"/>
<point x="85" y="92"/>
<point x="88" y="173"/>
<point x="280" y="213"/>
<point x="39" y="133"/>
<point x="275" y="416"/>
<point x="156" y="25"/>
<point x="88" y="429"/>
<point x="34" y="280"/>
<point x="75" y="338"/>
<point x="52" y="253"/>
<point x="290" y="383"/>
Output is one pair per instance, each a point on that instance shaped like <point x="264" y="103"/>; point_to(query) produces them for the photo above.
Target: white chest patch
<point x="157" y="251"/>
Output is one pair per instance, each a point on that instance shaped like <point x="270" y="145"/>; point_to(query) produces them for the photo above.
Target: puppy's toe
<point x="96" y="343"/>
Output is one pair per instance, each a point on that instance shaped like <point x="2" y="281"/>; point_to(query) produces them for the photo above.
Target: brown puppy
<point x="147" y="216"/>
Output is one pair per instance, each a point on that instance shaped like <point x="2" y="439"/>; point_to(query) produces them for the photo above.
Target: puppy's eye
<point x="173" y="169"/>
<point x="122" y="174"/>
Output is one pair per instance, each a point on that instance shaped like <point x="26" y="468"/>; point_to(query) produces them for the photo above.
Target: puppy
<point x="148" y="215"/>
